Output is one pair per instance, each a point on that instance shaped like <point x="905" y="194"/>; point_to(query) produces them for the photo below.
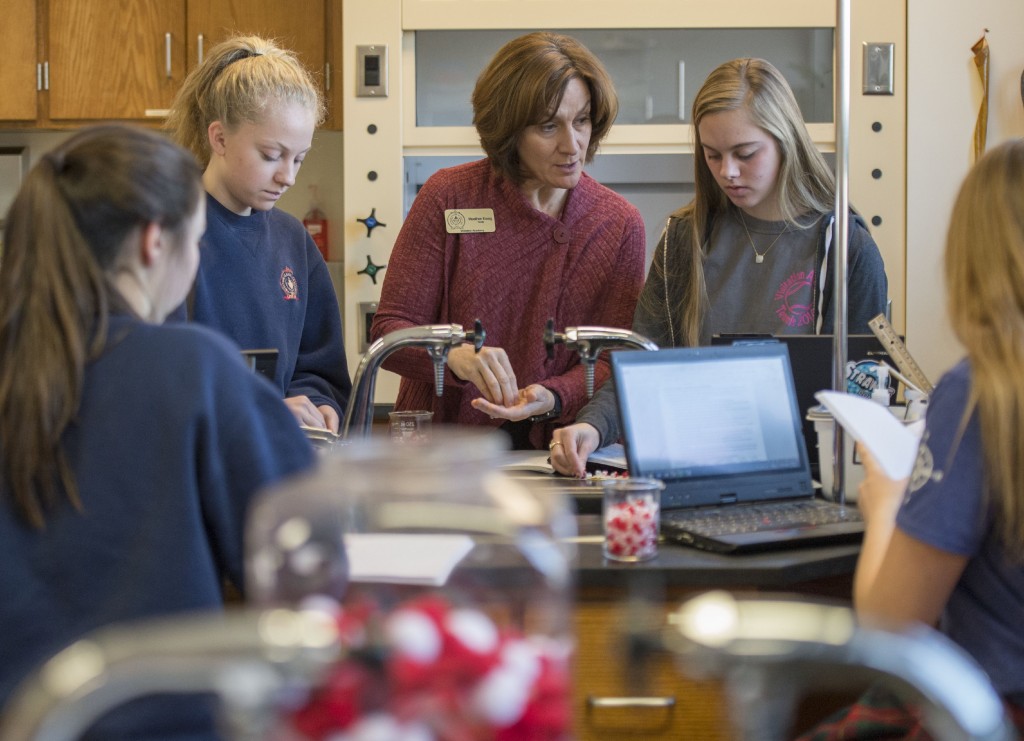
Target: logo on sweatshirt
<point x="792" y="294"/>
<point x="289" y="285"/>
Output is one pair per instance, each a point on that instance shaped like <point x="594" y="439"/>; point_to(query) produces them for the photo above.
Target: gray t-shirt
<point x="774" y="296"/>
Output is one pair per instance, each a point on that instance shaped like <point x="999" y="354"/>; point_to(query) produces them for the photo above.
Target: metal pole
<point x="841" y="236"/>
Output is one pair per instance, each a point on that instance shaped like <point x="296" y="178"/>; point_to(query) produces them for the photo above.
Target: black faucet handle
<point x="477" y="336"/>
<point x="551" y="338"/>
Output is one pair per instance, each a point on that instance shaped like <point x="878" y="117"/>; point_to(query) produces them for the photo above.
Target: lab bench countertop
<point x="678" y="565"/>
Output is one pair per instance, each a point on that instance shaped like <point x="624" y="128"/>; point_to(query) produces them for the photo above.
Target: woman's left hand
<point x="534" y="399"/>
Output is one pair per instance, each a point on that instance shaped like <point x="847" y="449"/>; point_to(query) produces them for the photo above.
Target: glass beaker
<point x="631" y="509"/>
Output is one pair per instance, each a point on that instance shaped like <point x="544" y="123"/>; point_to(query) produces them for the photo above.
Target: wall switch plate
<point x="878" y="68"/>
<point x="366" y="311"/>
<point x="372" y="71"/>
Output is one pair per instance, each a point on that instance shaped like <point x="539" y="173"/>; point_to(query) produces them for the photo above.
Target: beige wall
<point x="944" y="95"/>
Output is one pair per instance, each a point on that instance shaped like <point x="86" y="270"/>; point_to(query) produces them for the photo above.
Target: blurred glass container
<point x="459" y="595"/>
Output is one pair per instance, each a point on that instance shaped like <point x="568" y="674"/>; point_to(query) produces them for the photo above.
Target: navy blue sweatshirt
<point x="173" y="438"/>
<point x="264" y="284"/>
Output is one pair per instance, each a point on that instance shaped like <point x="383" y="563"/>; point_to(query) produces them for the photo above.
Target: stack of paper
<point x="892" y="443"/>
<point x="404" y="558"/>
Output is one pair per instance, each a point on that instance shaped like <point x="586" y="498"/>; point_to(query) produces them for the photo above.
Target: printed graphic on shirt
<point x="794" y="299"/>
<point x="289" y="286"/>
<point x="924" y="467"/>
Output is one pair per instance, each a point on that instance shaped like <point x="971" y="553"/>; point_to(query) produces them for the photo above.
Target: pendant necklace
<point x="759" y="256"/>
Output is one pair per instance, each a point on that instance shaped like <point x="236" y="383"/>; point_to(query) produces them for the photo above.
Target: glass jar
<point x="457" y="602"/>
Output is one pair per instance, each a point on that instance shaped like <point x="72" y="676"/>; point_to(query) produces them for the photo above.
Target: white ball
<point x="414" y="636"/>
<point x="520" y="658"/>
<point x="473" y="629"/>
<point x="501" y="697"/>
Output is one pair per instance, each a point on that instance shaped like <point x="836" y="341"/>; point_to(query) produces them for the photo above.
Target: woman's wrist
<point x="554" y="412"/>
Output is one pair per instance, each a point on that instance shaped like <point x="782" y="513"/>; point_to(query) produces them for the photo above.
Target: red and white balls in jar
<point x="631" y="510"/>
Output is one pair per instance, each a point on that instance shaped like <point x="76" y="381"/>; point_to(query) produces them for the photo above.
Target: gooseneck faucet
<point x="590" y="341"/>
<point x="437" y="339"/>
<point x="250" y="659"/>
<point x="769" y="650"/>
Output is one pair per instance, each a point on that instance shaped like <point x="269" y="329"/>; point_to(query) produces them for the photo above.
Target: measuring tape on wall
<point x="899" y="353"/>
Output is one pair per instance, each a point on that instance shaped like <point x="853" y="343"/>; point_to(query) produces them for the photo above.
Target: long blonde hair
<point x="985" y="287"/>
<point x="806" y="184"/>
<point x="236" y="82"/>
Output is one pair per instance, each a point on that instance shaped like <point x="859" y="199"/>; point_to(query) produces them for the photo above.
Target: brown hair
<point x="235" y="84"/>
<point x="523" y="85"/>
<point x="806" y="184"/>
<point x="65" y="233"/>
<point x="985" y="288"/>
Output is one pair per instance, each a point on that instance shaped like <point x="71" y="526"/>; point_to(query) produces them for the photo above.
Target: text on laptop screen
<point x="695" y="416"/>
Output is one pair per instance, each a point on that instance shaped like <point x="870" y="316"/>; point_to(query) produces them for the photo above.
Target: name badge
<point x="469" y="220"/>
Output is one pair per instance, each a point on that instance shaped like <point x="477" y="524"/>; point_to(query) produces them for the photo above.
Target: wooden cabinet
<point x="623" y="696"/>
<point x="125" y="59"/>
<point x="96" y="72"/>
<point x="619" y="697"/>
<point x="290" y="24"/>
<point x="304" y="26"/>
<point x="18" y="71"/>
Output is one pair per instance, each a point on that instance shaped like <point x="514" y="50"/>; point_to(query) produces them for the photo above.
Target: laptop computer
<point x="811" y="361"/>
<point x="262" y="361"/>
<point x="721" y="428"/>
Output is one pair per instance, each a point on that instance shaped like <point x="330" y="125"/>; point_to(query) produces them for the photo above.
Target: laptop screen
<point x="810" y="359"/>
<point x="717" y="424"/>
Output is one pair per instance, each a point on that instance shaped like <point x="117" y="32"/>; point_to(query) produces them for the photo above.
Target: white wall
<point x="944" y="96"/>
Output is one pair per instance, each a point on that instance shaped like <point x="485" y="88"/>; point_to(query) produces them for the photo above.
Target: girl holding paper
<point x="946" y="546"/>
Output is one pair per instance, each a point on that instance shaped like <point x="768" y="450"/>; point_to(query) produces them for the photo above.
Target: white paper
<point x="536" y="461"/>
<point x="892" y="443"/>
<point x="404" y="558"/>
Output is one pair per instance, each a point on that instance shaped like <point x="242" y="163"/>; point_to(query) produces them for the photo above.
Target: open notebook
<point x="720" y="426"/>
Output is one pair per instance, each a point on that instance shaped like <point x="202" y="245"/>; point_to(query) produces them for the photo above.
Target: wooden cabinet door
<point x="19" y="97"/>
<point x="297" y="25"/>
<point x="118" y="59"/>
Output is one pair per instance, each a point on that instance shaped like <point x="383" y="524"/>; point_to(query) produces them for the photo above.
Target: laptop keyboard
<point x="760" y="517"/>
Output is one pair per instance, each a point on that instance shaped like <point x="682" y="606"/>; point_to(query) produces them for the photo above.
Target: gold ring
<point x="552" y="444"/>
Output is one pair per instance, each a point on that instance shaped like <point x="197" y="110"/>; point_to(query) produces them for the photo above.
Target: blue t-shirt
<point x="263" y="283"/>
<point x="173" y="438"/>
<point x="946" y="507"/>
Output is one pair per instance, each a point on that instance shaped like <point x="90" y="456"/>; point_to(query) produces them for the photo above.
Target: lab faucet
<point x="250" y="659"/>
<point x="437" y="339"/>
<point x="590" y="341"/>
<point x="769" y="650"/>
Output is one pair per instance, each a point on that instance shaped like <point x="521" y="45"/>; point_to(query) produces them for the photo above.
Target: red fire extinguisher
<point x="315" y="222"/>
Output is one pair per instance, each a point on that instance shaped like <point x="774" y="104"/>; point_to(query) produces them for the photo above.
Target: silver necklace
<point x="759" y="256"/>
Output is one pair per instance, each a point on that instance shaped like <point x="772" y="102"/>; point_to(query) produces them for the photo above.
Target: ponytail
<point x="65" y="231"/>
<point x="236" y="82"/>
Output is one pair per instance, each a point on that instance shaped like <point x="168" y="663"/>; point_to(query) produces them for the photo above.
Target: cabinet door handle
<point x="199" y="48"/>
<point x="631" y="702"/>
<point x="167" y="53"/>
<point x="46" y="75"/>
